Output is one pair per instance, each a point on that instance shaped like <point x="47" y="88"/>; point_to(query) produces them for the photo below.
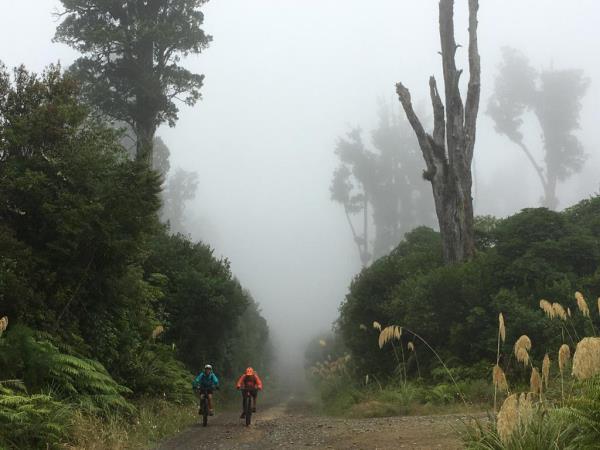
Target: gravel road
<point x="280" y="427"/>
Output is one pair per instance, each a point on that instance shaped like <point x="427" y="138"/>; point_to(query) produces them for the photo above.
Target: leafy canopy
<point x="132" y="50"/>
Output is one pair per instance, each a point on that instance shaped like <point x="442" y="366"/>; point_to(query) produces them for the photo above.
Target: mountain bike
<point x="247" y="393"/>
<point x="203" y="410"/>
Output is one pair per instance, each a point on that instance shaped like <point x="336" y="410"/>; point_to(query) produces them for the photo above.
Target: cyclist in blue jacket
<point x="206" y="382"/>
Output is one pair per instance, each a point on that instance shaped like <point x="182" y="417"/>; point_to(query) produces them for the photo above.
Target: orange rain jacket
<point x="250" y="382"/>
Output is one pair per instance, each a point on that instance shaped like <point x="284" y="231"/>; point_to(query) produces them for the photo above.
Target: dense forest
<point x="102" y="304"/>
<point x="533" y="255"/>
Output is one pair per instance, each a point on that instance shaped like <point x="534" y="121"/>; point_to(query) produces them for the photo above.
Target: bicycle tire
<point x="248" y="409"/>
<point x="204" y="411"/>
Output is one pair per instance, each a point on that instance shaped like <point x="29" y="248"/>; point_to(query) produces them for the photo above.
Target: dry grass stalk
<point x="568" y="311"/>
<point x="383" y="336"/>
<point x="522" y="356"/>
<point x="3" y="324"/>
<point x="586" y="360"/>
<point x="158" y="330"/>
<point x="499" y="378"/>
<point x="535" y="382"/>
<point x="564" y="354"/>
<point x="582" y="304"/>
<point x="559" y="311"/>
<point x="388" y="334"/>
<point x="508" y="417"/>
<point x="501" y="327"/>
<point x="547" y="307"/>
<point x="525" y="408"/>
<point x="598" y="305"/>
<point x="397" y="333"/>
<point x="517" y="410"/>
<point x="546" y="370"/>
<point x="522" y="347"/>
<point x="523" y="342"/>
<point x="377" y="325"/>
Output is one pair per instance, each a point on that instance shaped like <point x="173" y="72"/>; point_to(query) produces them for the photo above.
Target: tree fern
<point x="582" y="415"/>
<point x="32" y="421"/>
<point x="41" y="366"/>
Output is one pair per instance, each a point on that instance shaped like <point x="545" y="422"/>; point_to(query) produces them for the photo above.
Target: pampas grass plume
<point x="586" y="360"/>
<point x="546" y="370"/>
<point x="508" y="417"/>
<point x="582" y="304"/>
<point x="535" y="382"/>
<point x="546" y="306"/>
<point x="559" y="311"/>
<point x="501" y="327"/>
<point x="564" y="354"/>
<point x="522" y="347"/>
<point x="499" y="378"/>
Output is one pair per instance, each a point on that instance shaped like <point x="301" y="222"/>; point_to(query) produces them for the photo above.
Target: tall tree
<point x="132" y="48"/>
<point x="554" y="96"/>
<point x="448" y="151"/>
<point x="382" y="181"/>
<point x="350" y="187"/>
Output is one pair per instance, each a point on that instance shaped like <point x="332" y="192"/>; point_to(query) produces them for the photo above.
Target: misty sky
<point x="284" y="79"/>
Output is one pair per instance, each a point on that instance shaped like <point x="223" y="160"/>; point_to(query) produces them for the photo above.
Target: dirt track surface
<point x="279" y="428"/>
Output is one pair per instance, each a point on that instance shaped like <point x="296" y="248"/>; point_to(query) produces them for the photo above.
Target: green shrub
<point x="535" y="254"/>
<point x="35" y="421"/>
<point x="42" y="366"/>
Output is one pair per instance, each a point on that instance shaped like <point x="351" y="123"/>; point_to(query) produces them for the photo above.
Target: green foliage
<point x="208" y="316"/>
<point x="573" y="426"/>
<point x="581" y="417"/>
<point x="130" y="69"/>
<point x="41" y="365"/>
<point x="120" y="307"/>
<point x="344" y="395"/>
<point x="554" y="96"/>
<point x="532" y="255"/>
<point x="32" y="421"/>
<point x="371" y="294"/>
<point x="387" y="179"/>
<point x="544" y="431"/>
<point x="155" y="420"/>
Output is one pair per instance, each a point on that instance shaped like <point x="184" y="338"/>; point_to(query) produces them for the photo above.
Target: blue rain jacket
<point x="205" y="382"/>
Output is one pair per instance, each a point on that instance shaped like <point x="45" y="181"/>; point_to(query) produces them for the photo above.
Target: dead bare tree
<point x="448" y="151"/>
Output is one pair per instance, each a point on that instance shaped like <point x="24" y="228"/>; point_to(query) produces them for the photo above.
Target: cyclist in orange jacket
<point x="249" y="381"/>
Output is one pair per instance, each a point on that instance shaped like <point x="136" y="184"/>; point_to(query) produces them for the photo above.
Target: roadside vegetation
<point x="106" y="315"/>
<point x="512" y="331"/>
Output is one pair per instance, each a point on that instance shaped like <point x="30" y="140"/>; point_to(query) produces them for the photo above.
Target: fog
<point x="284" y="79"/>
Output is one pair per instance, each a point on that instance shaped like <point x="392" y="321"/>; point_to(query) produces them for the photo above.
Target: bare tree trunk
<point x="357" y="239"/>
<point x="448" y="151"/>
<point x="145" y="143"/>
<point x="548" y="181"/>
<point x="550" y="200"/>
<point x="365" y="255"/>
